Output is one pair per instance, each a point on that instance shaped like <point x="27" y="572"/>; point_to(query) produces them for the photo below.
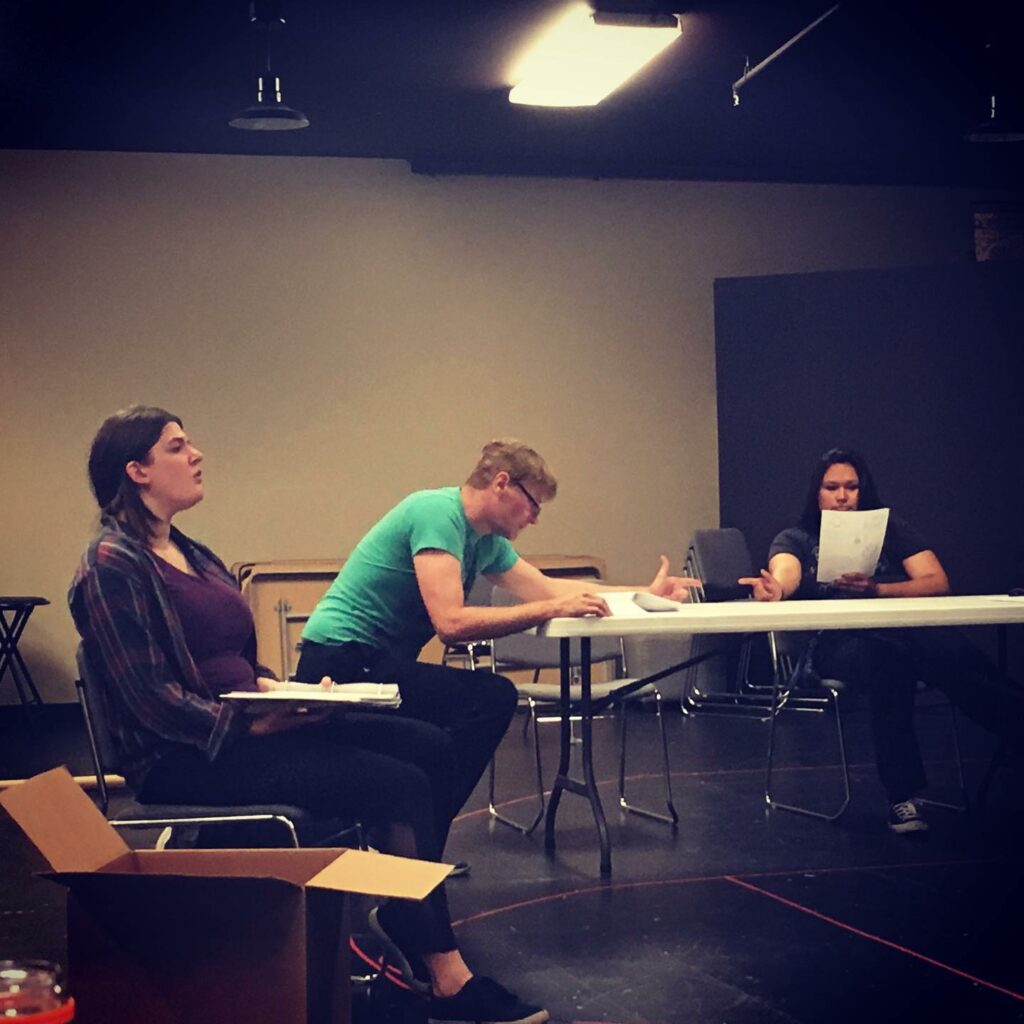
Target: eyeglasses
<point x="534" y="503"/>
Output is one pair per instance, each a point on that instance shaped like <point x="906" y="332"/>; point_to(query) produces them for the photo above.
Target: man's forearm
<point x="477" y="622"/>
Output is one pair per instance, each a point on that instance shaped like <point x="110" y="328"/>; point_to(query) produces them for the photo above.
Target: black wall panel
<point x="920" y="369"/>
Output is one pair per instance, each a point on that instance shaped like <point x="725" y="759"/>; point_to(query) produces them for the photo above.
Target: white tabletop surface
<point x="756" y="616"/>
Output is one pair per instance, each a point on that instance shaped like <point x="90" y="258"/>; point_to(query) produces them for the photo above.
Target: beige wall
<point x="336" y="333"/>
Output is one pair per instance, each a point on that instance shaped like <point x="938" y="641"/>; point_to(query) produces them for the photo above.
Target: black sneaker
<point x="410" y="965"/>
<point x="484" y="1001"/>
<point x="904" y="817"/>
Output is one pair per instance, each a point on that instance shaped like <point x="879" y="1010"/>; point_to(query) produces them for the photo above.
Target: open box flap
<point x="64" y="824"/>
<point x="288" y="865"/>
<point x="131" y="888"/>
<point x="380" y="874"/>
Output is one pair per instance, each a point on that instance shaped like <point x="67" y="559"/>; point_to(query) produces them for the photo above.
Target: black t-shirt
<point x="901" y="541"/>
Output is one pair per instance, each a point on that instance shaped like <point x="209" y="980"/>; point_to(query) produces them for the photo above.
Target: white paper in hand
<point x="850" y="542"/>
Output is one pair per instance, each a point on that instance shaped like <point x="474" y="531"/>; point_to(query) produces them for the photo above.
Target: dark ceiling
<point x="878" y="93"/>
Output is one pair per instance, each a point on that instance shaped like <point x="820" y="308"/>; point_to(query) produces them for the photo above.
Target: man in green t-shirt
<point x="406" y="580"/>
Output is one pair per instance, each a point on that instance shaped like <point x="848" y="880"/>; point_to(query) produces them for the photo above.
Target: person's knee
<point x="501" y="694"/>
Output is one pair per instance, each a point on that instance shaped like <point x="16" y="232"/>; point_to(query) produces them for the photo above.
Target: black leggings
<point x="888" y="663"/>
<point x="393" y="774"/>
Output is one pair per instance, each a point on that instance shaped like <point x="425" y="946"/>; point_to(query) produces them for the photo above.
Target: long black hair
<point x="810" y="518"/>
<point x="125" y="437"/>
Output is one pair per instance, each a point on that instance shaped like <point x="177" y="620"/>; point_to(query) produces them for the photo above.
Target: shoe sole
<point x="906" y="827"/>
<point x="395" y="956"/>
<point x="540" y="1017"/>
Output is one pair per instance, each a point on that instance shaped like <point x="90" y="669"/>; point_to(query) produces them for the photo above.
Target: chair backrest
<point x="92" y="700"/>
<point x="527" y="650"/>
<point x="719" y="558"/>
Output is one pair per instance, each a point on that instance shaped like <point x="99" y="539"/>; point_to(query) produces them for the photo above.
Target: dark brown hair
<point x="125" y="437"/>
<point x="867" y="499"/>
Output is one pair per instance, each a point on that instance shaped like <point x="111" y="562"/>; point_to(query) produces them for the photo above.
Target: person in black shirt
<point x="887" y="663"/>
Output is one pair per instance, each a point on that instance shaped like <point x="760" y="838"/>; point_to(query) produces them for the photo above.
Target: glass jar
<point x="33" y="992"/>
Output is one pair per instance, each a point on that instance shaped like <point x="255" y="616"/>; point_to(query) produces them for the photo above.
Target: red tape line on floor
<point x="873" y="938"/>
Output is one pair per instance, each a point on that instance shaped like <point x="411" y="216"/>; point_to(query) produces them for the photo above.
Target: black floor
<point x="735" y="917"/>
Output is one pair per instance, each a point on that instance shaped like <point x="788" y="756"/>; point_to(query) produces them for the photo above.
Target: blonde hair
<point x="519" y="460"/>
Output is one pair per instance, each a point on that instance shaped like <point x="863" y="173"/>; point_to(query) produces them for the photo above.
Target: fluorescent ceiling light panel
<point x="582" y="58"/>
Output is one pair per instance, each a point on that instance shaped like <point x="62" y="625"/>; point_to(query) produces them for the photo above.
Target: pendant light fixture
<point x="269" y="113"/>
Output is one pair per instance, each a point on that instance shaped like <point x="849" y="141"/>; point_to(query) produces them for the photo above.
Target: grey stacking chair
<point x="718" y="558"/>
<point x="530" y="652"/>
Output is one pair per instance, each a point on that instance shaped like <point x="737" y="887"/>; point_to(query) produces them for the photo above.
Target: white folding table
<point x="735" y="617"/>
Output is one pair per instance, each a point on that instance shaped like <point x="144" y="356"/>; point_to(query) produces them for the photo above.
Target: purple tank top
<point x="218" y="627"/>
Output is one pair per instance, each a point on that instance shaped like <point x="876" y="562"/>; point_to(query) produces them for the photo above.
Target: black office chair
<point x="168" y="817"/>
<point x="530" y="652"/>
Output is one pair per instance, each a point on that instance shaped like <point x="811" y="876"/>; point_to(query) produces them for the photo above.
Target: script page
<point x="850" y="542"/>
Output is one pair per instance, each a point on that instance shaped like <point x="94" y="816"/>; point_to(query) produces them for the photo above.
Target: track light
<point x="586" y="55"/>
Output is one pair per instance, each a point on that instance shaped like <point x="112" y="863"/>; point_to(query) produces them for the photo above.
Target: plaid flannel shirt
<point x="154" y="695"/>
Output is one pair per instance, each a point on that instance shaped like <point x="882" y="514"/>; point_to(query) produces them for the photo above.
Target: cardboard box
<point x="182" y="936"/>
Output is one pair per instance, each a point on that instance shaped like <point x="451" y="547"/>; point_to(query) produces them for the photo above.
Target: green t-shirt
<point x="375" y="599"/>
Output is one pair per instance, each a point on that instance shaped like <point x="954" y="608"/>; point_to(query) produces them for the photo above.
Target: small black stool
<point x="14" y="616"/>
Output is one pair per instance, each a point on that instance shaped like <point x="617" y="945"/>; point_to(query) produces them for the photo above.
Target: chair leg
<point x="672" y="818"/>
<point x="965" y="801"/>
<point x="491" y="805"/>
<point x="776" y="805"/>
<point x="998" y="760"/>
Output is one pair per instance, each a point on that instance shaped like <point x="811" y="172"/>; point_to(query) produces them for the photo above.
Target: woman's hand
<point x="283" y="719"/>
<point x="765" y="587"/>
<point x="675" y="588"/>
<point x="856" y="583"/>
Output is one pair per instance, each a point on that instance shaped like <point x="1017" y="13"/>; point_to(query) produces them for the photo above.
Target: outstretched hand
<point x="675" y="588"/>
<point x="765" y="587"/>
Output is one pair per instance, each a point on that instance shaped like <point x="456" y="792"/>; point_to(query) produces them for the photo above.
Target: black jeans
<point x="472" y="708"/>
<point x="888" y="663"/>
<point x="390" y="773"/>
